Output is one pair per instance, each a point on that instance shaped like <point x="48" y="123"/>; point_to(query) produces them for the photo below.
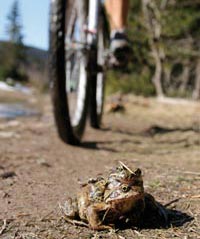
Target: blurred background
<point x="166" y="45"/>
<point x="165" y="36"/>
<point x="24" y="41"/>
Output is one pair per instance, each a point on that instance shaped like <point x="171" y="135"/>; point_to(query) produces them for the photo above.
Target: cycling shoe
<point x="120" y="50"/>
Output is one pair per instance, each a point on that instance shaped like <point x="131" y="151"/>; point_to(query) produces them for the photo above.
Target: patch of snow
<point x="18" y="87"/>
<point x="6" y="87"/>
<point x="11" y="111"/>
<point x="23" y="89"/>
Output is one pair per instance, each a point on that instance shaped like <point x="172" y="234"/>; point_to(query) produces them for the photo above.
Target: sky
<point x="34" y="19"/>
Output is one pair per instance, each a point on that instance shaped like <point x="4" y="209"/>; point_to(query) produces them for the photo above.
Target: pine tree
<point x="14" y="29"/>
<point x="14" y="57"/>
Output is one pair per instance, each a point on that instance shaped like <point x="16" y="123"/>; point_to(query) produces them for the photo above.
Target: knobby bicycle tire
<point x="58" y="24"/>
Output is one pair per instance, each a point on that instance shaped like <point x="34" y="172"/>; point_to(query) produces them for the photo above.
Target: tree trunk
<point x="196" y="92"/>
<point x="158" y="73"/>
<point x="152" y="20"/>
<point x="185" y="78"/>
<point x="167" y="75"/>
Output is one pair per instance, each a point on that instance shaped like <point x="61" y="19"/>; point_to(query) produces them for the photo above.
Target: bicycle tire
<point x="97" y="90"/>
<point x="69" y="132"/>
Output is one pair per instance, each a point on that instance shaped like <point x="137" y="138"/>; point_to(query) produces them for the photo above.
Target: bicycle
<point x="78" y="38"/>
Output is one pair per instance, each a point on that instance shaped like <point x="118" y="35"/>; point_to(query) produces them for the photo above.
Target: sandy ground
<point x="38" y="171"/>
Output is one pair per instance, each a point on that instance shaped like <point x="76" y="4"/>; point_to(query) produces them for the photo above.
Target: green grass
<point x="139" y="84"/>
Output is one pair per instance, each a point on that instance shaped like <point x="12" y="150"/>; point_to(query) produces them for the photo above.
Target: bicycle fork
<point x="93" y="19"/>
<point x="92" y="31"/>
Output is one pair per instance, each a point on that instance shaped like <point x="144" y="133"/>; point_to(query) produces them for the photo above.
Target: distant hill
<point x="36" y="52"/>
<point x="36" y="55"/>
<point x="36" y="62"/>
<point x="33" y="53"/>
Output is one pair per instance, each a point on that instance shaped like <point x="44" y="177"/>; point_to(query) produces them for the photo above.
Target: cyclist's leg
<point x="117" y="11"/>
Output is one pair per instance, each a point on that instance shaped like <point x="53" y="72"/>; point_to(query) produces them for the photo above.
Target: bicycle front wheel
<point x="68" y="68"/>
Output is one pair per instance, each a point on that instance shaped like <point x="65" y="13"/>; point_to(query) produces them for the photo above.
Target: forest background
<point x="165" y="37"/>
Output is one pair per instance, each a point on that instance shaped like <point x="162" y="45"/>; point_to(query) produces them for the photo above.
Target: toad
<point x="118" y="198"/>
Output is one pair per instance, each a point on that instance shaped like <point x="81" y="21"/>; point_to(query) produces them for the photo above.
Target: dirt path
<point x="37" y="170"/>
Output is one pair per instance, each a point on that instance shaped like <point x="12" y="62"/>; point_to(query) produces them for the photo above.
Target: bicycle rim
<point x="98" y="81"/>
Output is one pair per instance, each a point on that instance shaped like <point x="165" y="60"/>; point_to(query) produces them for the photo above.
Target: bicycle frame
<point x="93" y="18"/>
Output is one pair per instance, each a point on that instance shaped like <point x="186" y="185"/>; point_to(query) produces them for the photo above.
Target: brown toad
<point x="103" y="202"/>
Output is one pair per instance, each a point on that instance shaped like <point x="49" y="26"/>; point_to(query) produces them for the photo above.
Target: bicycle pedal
<point x="95" y="69"/>
<point x="99" y="68"/>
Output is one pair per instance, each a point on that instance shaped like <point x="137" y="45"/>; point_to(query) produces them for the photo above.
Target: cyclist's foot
<point x="120" y="49"/>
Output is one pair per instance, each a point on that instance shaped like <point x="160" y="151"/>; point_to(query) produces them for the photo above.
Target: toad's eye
<point x="119" y="168"/>
<point x="138" y="172"/>
<point x="125" y="188"/>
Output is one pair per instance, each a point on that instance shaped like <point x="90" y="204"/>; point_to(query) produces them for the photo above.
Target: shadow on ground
<point x="156" y="129"/>
<point x="175" y="219"/>
<point x="98" y="145"/>
<point x="157" y="219"/>
<point x="149" y="132"/>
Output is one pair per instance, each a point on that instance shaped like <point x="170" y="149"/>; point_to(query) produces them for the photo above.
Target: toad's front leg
<point x="93" y="216"/>
<point x="70" y="208"/>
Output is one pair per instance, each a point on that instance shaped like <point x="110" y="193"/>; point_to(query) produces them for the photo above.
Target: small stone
<point x="8" y="174"/>
<point x="43" y="162"/>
